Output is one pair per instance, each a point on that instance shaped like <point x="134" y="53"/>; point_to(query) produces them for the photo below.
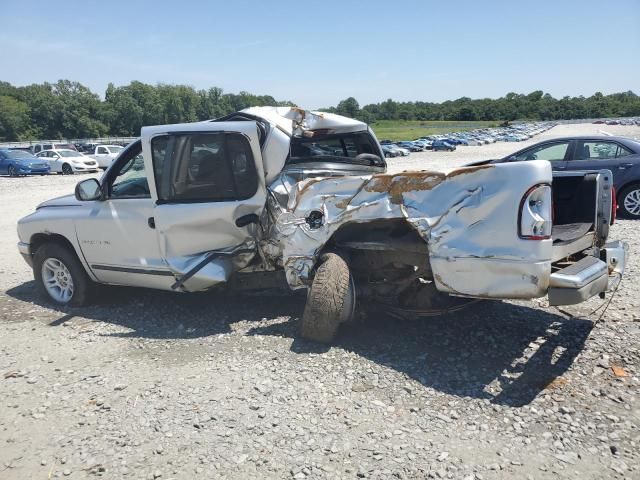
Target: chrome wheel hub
<point x="632" y="202"/>
<point x="57" y="280"/>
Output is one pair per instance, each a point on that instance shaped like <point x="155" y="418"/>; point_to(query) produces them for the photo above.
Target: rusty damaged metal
<point x="466" y="217"/>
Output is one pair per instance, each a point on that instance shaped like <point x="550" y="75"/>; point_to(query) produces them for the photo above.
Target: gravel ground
<point x="150" y="385"/>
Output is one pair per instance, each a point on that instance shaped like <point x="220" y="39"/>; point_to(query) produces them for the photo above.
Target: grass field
<point x="411" y="129"/>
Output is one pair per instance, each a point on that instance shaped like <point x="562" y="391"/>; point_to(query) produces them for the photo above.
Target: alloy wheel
<point x="57" y="280"/>
<point x="632" y="202"/>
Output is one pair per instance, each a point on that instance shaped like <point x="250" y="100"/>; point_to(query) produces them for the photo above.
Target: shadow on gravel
<point x="155" y="314"/>
<point x="501" y="352"/>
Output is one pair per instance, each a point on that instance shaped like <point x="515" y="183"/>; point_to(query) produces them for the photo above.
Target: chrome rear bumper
<point x="588" y="277"/>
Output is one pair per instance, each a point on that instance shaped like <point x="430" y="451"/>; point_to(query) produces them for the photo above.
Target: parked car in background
<point x="39" y="147"/>
<point x="86" y="147"/>
<point x="412" y="147"/>
<point x="389" y="151"/>
<point x="442" y="145"/>
<point x="68" y="162"/>
<point x="619" y="154"/>
<point x="422" y="144"/>
<point x="105" y="154"/>
<point x="16" y="163"/>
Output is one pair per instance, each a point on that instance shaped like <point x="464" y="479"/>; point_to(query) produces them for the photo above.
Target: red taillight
<point x="614" y="205"/>
<point x="535" y="215"/>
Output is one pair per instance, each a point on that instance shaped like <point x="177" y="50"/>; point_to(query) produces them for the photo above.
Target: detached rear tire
<point x="60" y="276"/>
<point x="331" y="300"/>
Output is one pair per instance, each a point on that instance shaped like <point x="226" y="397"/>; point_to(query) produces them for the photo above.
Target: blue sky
<point x="317" y="53"/>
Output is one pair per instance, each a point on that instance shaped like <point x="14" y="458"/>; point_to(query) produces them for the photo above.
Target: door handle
<point x="559" y="167"/>
<point x="624" y="166"/>
<point x="151" y="222"/>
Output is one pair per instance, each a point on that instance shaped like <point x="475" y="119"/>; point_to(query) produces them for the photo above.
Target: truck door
<point x="209" y="191"/>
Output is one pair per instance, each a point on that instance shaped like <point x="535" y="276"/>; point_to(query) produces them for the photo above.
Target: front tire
<point x="331" y="300"/>
<point x="66" y="169"/>
<point x="12" y="171"/>
<point x="630" y="201"/>
<point x="60" y="276"/>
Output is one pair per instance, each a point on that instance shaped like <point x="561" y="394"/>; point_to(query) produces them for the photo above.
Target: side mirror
<point x="88" y="190"/>
<point x="370" y="158"/>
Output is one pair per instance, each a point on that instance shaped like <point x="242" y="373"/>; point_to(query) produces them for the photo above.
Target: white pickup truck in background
<point x="106" y="154"/>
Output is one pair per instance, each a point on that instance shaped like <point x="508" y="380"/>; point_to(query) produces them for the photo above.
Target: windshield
<point x="345" y="148"/>
<point x="18" y="154"/>
<point x="65" y="153"/>
<point x="116" y="149"/>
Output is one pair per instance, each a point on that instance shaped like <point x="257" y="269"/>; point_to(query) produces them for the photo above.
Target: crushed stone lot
<point x="147" y="384"/>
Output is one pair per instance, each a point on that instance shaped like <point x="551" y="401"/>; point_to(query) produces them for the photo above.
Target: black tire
<point x="628" y="200"/>
<point x="66" y="169"/>
<point x="330" y="301"/>
<point x="12" y="171"/>
<point x="83" y="286"/>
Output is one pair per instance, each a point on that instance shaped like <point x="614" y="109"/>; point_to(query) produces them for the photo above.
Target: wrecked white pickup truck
<point x="189" y="207"/>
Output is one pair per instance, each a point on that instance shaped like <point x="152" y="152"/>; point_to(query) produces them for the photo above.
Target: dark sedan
<point x="619" y="154"/>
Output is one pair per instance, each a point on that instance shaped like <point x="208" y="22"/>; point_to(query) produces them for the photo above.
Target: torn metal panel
<point x="218" y="270"/>
<point x="295" y="121"/>
<point x="467" y="217"/>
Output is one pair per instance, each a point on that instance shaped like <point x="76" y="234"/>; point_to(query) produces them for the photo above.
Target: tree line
<point x="67" y="109"/>
<point x="513" y="106"/>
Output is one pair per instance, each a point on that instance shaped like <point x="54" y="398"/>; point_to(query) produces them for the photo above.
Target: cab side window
<point x="203" y="167"/>
<point x="102" y="150"/>
<point x="130" y="180"/>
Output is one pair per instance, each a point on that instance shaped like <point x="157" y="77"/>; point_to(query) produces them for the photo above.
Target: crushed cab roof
<point x="295" y="121"/>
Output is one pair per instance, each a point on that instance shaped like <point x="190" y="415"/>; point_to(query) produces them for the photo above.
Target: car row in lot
<point x="477" y="137"/>
<point x="17" y="163"/>
<point x="620" y="121"/>
<point x="61" y="158"/>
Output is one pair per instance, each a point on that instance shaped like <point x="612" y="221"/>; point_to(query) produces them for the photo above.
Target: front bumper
<point x="25" y="251"/>
<point x="590" y="276"/>
<point x="33" y="171"/>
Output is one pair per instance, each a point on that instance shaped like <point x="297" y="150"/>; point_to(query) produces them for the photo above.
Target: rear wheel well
<point x="385" y="254"/>
<point x="632" y="183"/>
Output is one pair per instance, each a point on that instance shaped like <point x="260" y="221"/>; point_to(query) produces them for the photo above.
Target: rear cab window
<point x="342" y="148"/>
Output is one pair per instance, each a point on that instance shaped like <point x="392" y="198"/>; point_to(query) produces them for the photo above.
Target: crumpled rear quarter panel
<point x="467" y="216"/>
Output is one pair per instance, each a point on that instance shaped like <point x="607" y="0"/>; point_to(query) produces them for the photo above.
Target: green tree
<point x="15" y="120"/>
